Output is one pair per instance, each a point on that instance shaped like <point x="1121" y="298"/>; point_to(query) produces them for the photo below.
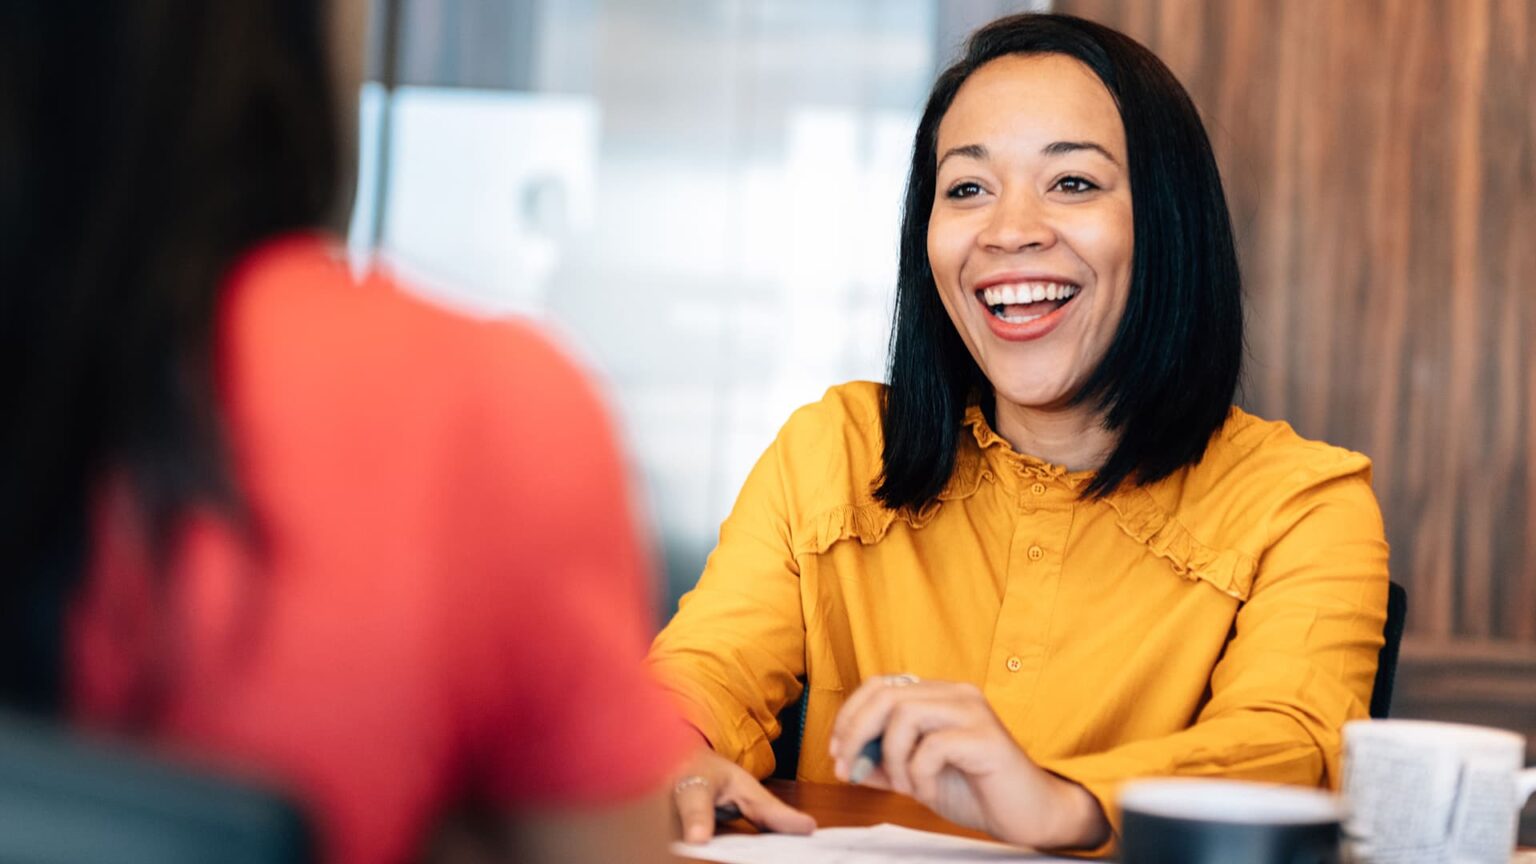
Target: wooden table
<point x="835" y="805"/>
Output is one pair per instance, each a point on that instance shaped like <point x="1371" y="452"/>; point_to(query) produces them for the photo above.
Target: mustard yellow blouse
<point x="1222" y="622"/>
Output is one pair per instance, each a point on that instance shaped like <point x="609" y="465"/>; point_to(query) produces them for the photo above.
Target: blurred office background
<point x="702" y="195"/>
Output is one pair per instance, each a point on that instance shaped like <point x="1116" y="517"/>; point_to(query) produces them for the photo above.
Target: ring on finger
<point x="689" y="782"/>
<point x="902" y="680"/>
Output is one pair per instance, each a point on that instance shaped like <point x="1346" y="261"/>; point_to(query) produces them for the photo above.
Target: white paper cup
<point x="1421" y="792"/>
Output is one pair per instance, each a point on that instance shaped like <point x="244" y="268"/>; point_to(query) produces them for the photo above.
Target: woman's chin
<point x="1037" y="398"/>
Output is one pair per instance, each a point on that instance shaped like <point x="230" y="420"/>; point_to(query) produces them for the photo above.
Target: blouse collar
<point x="995" y="449"/>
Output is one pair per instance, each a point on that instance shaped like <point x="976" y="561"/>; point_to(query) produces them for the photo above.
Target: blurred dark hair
<point x="143" y="147"/>
<point x="1167" y="381"/>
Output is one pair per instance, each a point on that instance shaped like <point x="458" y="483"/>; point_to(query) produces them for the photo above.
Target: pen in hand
<point x="867" y="760"/>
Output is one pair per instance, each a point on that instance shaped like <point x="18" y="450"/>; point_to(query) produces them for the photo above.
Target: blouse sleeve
<point x="551" y="606"/>
<point x="1300" y="664"/>
<point x="735" y="652"/>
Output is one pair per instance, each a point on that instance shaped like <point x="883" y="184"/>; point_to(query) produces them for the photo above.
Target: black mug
<point x="1196" y="821"/>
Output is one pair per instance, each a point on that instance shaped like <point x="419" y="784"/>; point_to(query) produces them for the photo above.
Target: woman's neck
<point x="1072" y="437"/>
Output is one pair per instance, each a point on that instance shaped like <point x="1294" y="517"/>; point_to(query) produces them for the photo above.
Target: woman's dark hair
<point x="143" y="147"/>
<point x="1167" y="380"/>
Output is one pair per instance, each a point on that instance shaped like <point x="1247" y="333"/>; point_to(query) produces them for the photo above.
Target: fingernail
<point x="861" y="768"/>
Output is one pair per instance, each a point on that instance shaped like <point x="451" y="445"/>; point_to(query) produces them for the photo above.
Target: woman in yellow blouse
<point x="1050" y="556"/>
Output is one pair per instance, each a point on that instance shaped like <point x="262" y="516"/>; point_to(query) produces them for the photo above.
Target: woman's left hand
<point x="943" y="745"/>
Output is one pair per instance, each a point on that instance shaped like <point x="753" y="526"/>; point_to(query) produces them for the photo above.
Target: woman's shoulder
<point x="839" y="433"/>
<point x="300" y="293"/>
<point x="1257" y="480"/>
<point x="1256" y="451"/>
<point x="304" y="336"/>
<point x="828" y="459"/>
<point x="1256" y="476"/>
<point x="847" y="412"/>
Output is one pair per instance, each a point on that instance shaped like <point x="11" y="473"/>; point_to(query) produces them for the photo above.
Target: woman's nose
<point x="1018" y="223"/>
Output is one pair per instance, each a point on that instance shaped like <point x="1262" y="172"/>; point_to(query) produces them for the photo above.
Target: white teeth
<point x="1027" y="292"/>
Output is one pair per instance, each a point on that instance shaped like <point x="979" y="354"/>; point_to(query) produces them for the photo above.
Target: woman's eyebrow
<point x="1056" y="148"/>
<point x="974" y="151"/>
<point x="1061" y="148"/>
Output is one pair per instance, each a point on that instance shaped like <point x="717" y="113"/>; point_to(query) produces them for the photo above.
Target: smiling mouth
<point x="1023" y="302"/>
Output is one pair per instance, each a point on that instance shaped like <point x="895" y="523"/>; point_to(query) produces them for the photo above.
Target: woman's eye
<point x="965" y="189"/>
<point x="1075" y="185"/>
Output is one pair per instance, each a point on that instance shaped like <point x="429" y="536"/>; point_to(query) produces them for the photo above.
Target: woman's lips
<point x="1026" y="310"/>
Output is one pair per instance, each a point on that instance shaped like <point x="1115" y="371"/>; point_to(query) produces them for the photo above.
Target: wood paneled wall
<point x="1380" y="162"/>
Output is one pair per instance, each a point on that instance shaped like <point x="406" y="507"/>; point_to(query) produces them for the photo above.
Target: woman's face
<point x="1030" y="236"/>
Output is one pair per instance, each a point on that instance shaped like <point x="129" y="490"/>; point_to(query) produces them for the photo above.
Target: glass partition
<point x="700" y="197"/>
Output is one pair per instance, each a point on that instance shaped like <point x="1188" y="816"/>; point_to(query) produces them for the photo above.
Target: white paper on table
<point x="880" y="843"/>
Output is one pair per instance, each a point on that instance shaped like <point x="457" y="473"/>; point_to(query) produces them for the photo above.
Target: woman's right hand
<point x="709" y="780"/>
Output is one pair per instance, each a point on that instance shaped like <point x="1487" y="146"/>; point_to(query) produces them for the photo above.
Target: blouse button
<point x="1014" y="664"/>
<point x="1038" y="488"/>
<point x="1036" y="553"/>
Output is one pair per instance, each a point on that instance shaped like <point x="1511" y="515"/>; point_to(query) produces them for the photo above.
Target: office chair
<point x="1386" y="661"/>
<point x="786" y="747"/>
<point x="64" y="800"/>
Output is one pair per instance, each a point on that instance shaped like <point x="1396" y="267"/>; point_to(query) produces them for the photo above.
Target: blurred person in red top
<point x="285" y="520"/>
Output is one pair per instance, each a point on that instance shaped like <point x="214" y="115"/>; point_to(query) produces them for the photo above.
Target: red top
<point x="443" y="597"/>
